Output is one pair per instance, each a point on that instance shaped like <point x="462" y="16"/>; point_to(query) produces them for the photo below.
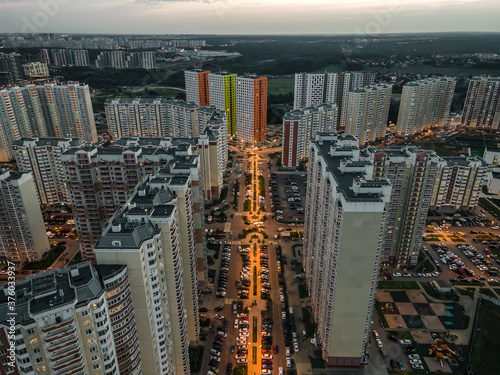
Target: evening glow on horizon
<point x="248" y="16"/>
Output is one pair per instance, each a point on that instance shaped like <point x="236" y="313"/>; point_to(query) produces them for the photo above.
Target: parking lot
<point x="288" y="196"/>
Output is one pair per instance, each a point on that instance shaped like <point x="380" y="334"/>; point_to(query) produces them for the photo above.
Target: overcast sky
<point x="248" y="16"/>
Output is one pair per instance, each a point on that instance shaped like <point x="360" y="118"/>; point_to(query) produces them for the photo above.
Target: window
<point x="38" y="360"/>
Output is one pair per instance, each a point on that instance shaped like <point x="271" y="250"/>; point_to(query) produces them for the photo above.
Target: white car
<point x="405" y="342"/>
<point x="220" y="317"/>
<point x="236" y="323"/>
<point x="267" y="356"/>
<point x="413" y="356"/>
<point x="242" y="361"/>
<point x="283" y="315"/>
<point x="241" y="356"/>
<point x="242" y="316"/>
<point x="296" y="347"/>
<point x="288" y="362"/>
<point x="215" y="358"/>
<point x="287" y="351"/>
<point x="397" y="274"/>
<point x="415" y="361"/>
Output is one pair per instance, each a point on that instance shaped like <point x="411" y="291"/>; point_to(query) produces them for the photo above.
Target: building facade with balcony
<point x="42" y="158"/>
<point x="146" y="236"/>
<point x="67" y="322"/>
<point x="22" y="230"/>
<point x="412" y="173"/>
<point x="344" y="225"/>
<point x="300" y="126"/>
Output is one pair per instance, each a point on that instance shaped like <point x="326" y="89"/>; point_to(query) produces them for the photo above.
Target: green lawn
<point x="483" y="358"/>
<point x="426" y="267"/>
<point x="488" y="292"/>
<point x="490" y="206"/>
<point x="254" y="329"/>
<point x="46" y="262"/>
<point x="280" y="85"/>
<point x="466" y="291"/>
<point x="386" y="284"/>
<point x="240" y="370"/>
<point x="308" y="322"/>
<point x="334" y="68"/>
<point x="196" y="357"/>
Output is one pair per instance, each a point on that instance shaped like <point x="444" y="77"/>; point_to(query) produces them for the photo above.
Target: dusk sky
<point x="248" y="16"/>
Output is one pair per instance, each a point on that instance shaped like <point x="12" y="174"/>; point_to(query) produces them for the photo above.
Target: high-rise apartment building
<point x="482" y="104"/>
<point x="147" y="235"/>
<point x="36" y="71"/>
<point x="344" y="226"/>
<point x="122" y="60"/>
<point x="425" y="104"/>
<point x="251" y="108"/>
<point x="317" y="88"/>
<point x="183" y="119"/>
<point x="11" y="64"/>
<point x="300" y="126"/>
<point x="309" y="90"/>
<point x="458" y="184"/>
<point x="42" y="158"/>
<point x="136" y="117"/>
<point x="367" y="111"/>
<point x="100" y="180"/>
<point x="22" y="230"/>
<point x="197" y="88"/>
<point x="60" y="57"/>
<point x="156" y="118"/>
<point x="222" y="90"/>
<point x="80" y="57"/>
<point x="57" y="110"/>
<point x="78" y="320"/>
<point x="412" y="173"/>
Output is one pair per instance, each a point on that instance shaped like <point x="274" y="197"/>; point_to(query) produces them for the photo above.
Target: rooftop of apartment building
<point x="122" y="233"/>
<point x="347" y="171"/>
<point x="299" y="112"/>
<point x="75" y="285"/>
<point x="223" y="73"/>
<point x="464" y="161"/>
<point x="49" y="141"/>
<point x="9" y="175"/>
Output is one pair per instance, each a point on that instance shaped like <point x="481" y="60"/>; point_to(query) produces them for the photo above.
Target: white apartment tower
<point x="344" y="227"/>
<point x="367" y="111"/>
<point x="56" y="110"/>
<point x="136" y="117"/>
<point x="197" y="89"/>
<point x="22" y="230"/>
<point x="300" y="126"/>
<point x="77" y="320"/>
<point x="251" y="108"/>
<point x="309" y="89"/>
<point x="145" y="236"/>
<point x="42" y="158"/>
<point x="482" y="104"/>
<point x="317" y="88"/>
<point x="425" y="104"/>
<point x="156" y="118"/>
<point x="458" y="183"/>
<point x="412" y="173"/>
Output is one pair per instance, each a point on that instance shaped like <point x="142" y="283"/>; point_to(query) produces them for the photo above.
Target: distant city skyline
<point x="249" y="17"/>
